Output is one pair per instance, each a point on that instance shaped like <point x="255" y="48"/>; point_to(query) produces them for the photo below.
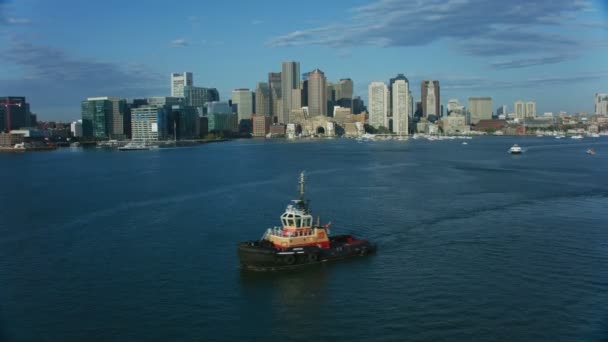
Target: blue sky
<point x="58" y="52"/>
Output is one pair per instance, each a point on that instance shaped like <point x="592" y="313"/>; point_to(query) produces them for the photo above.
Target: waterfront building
<point x="454" y="123"/>
<point x="278" y="129"/>
<point x="14" y="113"/>
<point x="76" y="128"/>
<point x="149" y="123"/>
<point x="243" y="98"/>
<point x="400" y="95"/>
<point x="290" y="79"/>
<point x="480" y="108"/>
<point x="601" y="104"/>
<point x="261" y="125"/>
<point x="262" y="99"/>
<point x="317" y="95"/>
<point x="96" y="117"/>
<point x="160" y="101"/>
<point x="219" y="122"/>
<point x="378" y="104"/>
<point x="430" y="97"/>
<point x="179" y="81"/>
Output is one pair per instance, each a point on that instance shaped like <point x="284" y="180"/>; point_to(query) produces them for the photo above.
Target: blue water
<point x="474" y="244"/>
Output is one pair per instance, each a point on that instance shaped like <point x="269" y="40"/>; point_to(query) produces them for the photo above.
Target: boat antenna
<point x="302" y="182"/>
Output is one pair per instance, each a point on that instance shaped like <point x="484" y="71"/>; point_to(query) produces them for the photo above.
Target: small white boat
<point x="577" y="137"/>
<point x="465" y="143"/>
<point x="591" y="151"/>
<point x="515" y="149"/>
<point x="594" y="135"/>
<point x="19" y="146"/>
<point x="133" y="146"/>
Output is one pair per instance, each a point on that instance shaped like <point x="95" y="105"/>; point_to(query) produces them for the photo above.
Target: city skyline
<point x="551" y="52"/>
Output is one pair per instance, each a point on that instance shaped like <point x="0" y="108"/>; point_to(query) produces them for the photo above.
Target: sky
<point x="57" y="53"/>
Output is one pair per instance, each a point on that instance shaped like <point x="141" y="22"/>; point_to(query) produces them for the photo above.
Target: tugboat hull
<point x="263" y="256"/>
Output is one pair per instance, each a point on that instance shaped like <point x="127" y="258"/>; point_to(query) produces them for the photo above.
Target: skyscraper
<point x="431" y="98"/>
<point x="378" y="104"/>
<point x="530" y="109"/>
<point x="317" y="100"/>
<point x="198" y="96"/>
<point x="400" y="94"/>
<point x="96" y="117"/>
<point x="243" y="98"/>
<point x="344" y="93"/>
<point x="274" y="83"/>
<point x="290" y="79"/>
<point x="601" y="104"/>
<point x="178" y="82"/>
<point x="480" y="109"/>
<point x="262" y="99"/>
<point x="390" y="87"/>
<point x="519" y="107"/>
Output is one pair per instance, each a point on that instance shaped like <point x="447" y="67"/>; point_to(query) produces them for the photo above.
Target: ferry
<point x="515" y="149"/>
<point x="299" y="242"/>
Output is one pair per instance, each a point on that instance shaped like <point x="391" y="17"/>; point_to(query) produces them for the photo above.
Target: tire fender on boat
<point x="313" y="257"/>
<point x="290" y="259"/>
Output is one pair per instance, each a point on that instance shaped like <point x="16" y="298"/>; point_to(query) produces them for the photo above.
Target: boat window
<point x="284" y="222"/>
<point x="290" y="222"/>
<point x="298" y="223"/>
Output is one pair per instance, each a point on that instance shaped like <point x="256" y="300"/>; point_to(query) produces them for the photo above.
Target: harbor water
<point x="474" y="243"/>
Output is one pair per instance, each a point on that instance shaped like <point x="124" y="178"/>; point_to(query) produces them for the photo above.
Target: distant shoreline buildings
<point x="293" y="103"/>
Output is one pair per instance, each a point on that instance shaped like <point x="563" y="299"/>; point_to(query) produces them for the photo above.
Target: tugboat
<point x="299" y="242"/>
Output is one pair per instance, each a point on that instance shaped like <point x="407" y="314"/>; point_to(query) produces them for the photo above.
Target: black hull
<point x="262" y="256"/>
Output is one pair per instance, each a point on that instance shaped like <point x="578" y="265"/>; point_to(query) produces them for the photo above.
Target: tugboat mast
<point x="302" y="182"/>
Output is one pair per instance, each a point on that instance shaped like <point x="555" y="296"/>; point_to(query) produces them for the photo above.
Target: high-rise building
<point x="317" y="95"/>
<point x="178" y="82"/>
<point x="296" y="98"/>
<point x="480" y="109"/>
<point x="96" y="117"/>
<point x="344" y="93"/>
<point x="530" y="109"/>
<point x="524" y="109"/>
<point x="390" y="87"/>
<point x="14" y="113"/>
<point x="400" y="94"/>
<point x="358" y="105"/>
<point x="164" y="118"/>
<point x="198" y="96"/>
<point x="276" y="105"/>
<point x="262" y="99"/>
<point x="431" y="99"/>
<point x="378" y="104"/>
<point x="290" y="79"/>
<point x="601" y="104"/>
<point x="243" y="98"/>
<point x="519" y="108"/>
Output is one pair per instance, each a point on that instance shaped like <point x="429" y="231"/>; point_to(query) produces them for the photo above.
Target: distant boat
<point x="594" y="135"/>
<point x="464" y="143"/>
<point x="134" y="146"/>
<point x="515" y="149"/>
<point x="578" y="136"/>
<point x="591" y="151"/>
